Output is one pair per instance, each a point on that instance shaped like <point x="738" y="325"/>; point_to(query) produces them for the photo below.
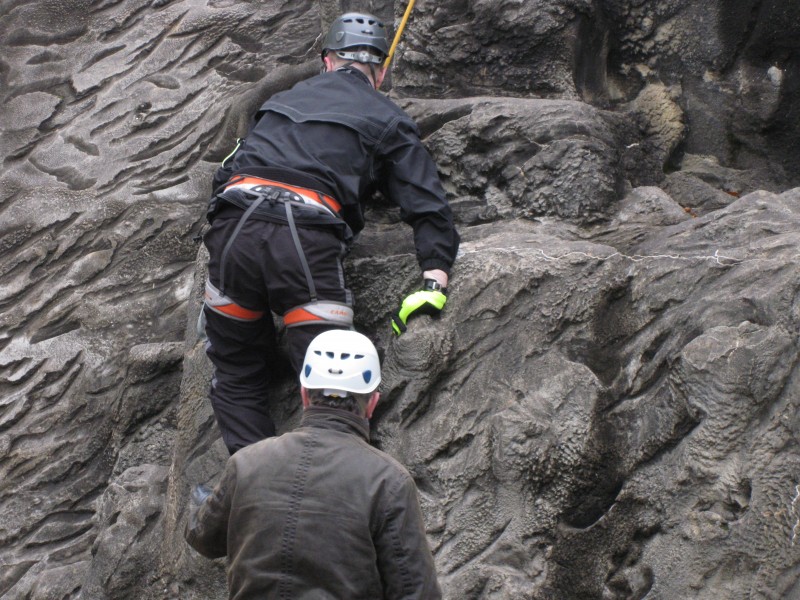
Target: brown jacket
<point x="317" y="513"/>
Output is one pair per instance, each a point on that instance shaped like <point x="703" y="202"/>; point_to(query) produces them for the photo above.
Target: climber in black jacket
<point x="286" y="206"/>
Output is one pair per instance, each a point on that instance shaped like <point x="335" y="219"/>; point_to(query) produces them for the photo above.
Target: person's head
<point x="341" y="370"/>
<point x="357" y="39"/>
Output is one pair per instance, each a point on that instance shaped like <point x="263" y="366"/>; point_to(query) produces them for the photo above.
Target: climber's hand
<point x="423" y="302"/>
<point x="199" y="494"/>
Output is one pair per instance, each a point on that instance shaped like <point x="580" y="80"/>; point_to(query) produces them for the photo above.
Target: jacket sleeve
<point x="411" y="181"/>
<point x="207" y="526"/>
<point x="405" y="561"/>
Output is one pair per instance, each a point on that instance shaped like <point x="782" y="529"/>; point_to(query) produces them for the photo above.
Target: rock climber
<point x="287" y="204"/>
<point x="318" y="512"/>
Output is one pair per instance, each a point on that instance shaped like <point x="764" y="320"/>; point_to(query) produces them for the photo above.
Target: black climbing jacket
<point x="336" y="134"/>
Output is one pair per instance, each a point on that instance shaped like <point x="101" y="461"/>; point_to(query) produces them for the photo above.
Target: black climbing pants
<point x="263" y="273"/>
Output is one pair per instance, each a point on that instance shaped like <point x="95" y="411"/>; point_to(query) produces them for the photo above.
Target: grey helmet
<point x="356" y="31"/>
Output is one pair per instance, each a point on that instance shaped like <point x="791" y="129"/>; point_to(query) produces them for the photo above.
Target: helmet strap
<point x="374" y="75"/>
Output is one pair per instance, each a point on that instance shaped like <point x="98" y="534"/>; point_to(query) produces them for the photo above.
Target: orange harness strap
<point x="321" y="311"/>
<point x="226" y="307"/>
<point x="312" y="195"/>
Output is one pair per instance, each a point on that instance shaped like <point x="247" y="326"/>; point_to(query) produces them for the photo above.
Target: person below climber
<point x="318" y="512"/>
<point x="286" y="206"/>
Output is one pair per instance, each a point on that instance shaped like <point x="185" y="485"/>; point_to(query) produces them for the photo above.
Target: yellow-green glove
<point x="423" y="302"/>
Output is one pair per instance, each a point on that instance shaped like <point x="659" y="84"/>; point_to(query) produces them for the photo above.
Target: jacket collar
<point x="323" y="417"/>
<point x="355" y="72"/>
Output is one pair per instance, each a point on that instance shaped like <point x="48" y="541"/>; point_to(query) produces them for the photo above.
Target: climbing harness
<point x="222" y="305"/>
<point x="307" y="196"/>
<point x="317" y="312"/>
<point x="264" y="190"/>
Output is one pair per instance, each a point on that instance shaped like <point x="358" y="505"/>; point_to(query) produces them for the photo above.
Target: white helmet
<point x="339" y="361"/>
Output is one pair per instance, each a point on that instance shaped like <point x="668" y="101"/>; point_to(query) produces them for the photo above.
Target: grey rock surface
<point x="608" y="406"/>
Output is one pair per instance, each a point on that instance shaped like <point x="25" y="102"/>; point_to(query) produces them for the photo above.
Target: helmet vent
<point x="357" y="30"/>
<point x="341" y="362"/>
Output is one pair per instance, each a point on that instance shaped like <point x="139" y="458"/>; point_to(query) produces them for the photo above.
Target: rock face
<point x="607" y="407"/>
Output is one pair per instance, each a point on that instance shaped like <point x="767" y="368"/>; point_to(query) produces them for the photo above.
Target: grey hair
<point x="354" y="403"/>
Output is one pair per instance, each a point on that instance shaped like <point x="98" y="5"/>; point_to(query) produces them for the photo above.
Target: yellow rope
<point x="398" y="34"/>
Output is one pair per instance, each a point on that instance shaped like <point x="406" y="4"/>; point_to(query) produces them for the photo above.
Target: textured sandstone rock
<point x="529" y="158"/>
<point x="607" y="407"/>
